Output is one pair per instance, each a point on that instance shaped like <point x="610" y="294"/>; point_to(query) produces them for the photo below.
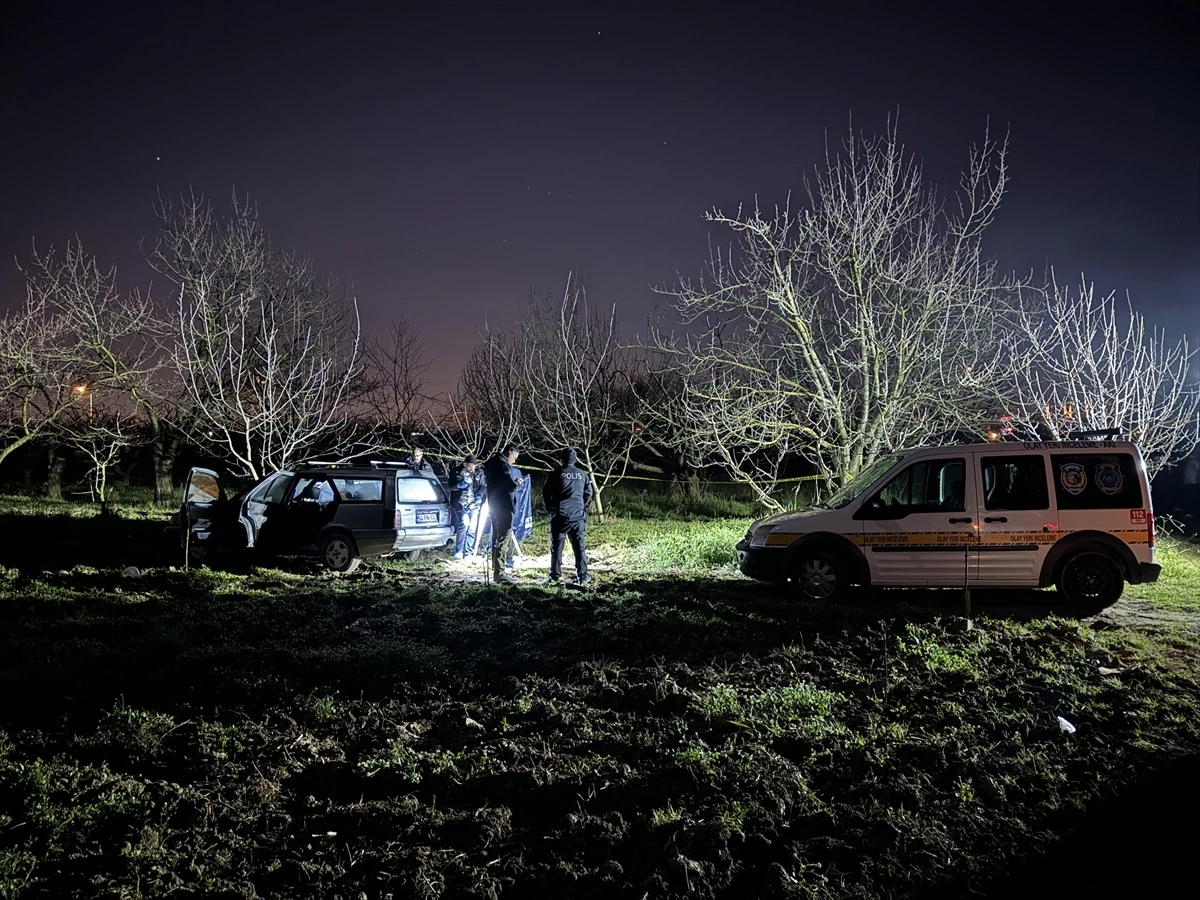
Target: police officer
<point x="567" y="493"/>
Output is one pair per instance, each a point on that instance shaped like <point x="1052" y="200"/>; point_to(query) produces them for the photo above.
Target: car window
<point x="315" y="490"/>
<point x="418" y="490"/>
<point x="1096" y="481"/>
<point x="202" y="488"/>
<point x="277" y="489"/>
<point x="275" y="485"/>
<point x="931" y="485"/>
<point x="1014" y="482"/>
<point x="360" y="489"/>
<point x="850" y="491"/>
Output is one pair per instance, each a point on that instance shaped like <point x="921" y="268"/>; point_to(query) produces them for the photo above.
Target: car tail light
<point x="1150" y="527"/>
<point x="396" y="519"/>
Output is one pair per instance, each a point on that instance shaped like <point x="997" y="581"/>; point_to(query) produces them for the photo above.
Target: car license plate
<point x="425" y="516"/>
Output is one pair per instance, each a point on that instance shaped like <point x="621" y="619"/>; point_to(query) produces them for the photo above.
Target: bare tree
<point x="37" y="372"/>
<point x="1079" y="362"/>
<point x="266" y="349"/>
<point x="118" y="341"/>
<point x="577" y="382"/>
<point x="560" y="379"/>
<point x="76" y="338"/>
<point x="102" y="436"/>
<point x="701" y="432"/>
<point x="392" y="380"/>
<point x="485" y="414"/>
<point x="858" y="322"/>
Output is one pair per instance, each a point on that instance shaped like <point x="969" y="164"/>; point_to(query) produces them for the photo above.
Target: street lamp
<point x="83" y="389"/>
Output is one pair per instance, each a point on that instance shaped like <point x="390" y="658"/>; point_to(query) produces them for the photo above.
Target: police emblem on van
<point x="1109" y="478"/>
<point x="1072" y="477"/>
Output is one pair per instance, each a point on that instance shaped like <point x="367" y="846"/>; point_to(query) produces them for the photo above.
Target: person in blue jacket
<point x="567" y="493"/>
<point x="502" y="483"/>
<point x="467" y="491"/>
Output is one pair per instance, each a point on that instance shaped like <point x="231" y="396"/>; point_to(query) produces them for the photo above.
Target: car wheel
<point x="1090" y="580"/>
<point x="413" y="555"/>
<point x="337" y="553"/>
<point x="818" y="576"/>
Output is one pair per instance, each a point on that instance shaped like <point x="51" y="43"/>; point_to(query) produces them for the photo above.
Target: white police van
<point x="1075" y="514"/>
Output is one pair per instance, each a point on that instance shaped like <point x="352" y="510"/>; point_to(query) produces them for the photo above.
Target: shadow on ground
<point x="47" y="543"/>
<point x="177" y="638"/>
<point x="1138" y="844"/>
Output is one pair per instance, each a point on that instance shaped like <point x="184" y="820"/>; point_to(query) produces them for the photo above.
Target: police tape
<point x="798" y="480"/>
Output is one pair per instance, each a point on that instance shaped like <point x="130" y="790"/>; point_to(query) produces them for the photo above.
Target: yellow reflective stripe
<point x="918" y="539"/>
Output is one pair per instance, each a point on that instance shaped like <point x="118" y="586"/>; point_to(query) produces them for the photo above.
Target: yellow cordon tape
<point x="443" y="456"/>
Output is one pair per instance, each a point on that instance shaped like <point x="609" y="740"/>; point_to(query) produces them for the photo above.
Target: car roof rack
<point x="350" y="464"/>
<point x="1100" y="434"/>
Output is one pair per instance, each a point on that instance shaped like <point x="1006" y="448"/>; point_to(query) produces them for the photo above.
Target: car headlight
<point x="759" y="538"/>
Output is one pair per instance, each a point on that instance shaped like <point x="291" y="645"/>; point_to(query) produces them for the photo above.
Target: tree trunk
<point x="596" y="501"/>
<point x="163" y="452"/>
<point x="56" y="463"/>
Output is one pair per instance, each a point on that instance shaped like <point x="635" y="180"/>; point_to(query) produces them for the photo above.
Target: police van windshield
<point x="854" y="488"/>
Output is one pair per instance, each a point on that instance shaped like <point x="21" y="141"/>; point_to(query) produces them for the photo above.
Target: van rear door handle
<point x="996" y="519"/>
<point x="965" y="521"/>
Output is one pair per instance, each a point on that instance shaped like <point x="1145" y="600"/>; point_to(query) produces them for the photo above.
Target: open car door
<point x="198" y="510"/>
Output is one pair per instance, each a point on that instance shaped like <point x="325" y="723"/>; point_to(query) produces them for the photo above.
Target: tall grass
<point x="695" y="544"/>
<point x="1178" y="586"/>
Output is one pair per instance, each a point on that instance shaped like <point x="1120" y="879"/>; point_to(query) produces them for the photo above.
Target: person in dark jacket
<point x="567" y="493"/>
<point x="418" y="463"/>
<point x="502" y="483"/>
<point x="467" y="491"/>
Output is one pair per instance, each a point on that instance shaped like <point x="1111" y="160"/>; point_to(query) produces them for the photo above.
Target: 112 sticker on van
<point x="1137" y="517"/>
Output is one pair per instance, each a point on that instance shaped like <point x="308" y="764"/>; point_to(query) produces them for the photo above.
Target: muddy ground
<point x="408" y="732"/>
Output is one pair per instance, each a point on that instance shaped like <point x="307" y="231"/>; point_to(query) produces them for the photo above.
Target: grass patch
<point x="697" y="545"/>
<point x="1178" y="587"/>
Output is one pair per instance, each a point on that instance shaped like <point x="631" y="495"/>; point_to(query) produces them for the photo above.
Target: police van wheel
<point x="1090" y="580"/>
<point x="820" y="577"/>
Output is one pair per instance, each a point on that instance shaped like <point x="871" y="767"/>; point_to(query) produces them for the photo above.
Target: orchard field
<point x="675" y="731"/>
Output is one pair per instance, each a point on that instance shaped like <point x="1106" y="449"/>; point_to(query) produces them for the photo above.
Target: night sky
<point x="444" y="158"/>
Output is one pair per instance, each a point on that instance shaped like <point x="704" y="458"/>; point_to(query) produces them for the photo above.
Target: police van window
<point x="1096" y="481"/>
<point x="1014" y="482"/>
<point x="931" y="485"/>
<point x="361" y="489"/>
